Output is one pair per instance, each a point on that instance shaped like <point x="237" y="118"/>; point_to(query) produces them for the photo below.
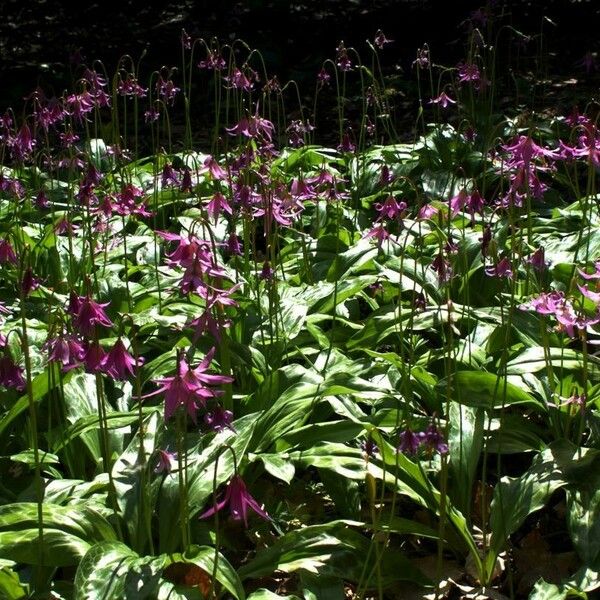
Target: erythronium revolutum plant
<point x="273" y="367"/>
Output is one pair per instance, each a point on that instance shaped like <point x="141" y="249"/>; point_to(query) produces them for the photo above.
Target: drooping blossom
<point x="189" y="386"/>
<point x="7" y="254"/>
<point x="443" y="268"/>
<point x="381" y="40"/>
<point x="118" y="363"/>
<point x="219" y="419"/>
<point x="66" y="350"/>
<point x="94" y="358"/>
<point x="537" y="260"/>
<point x="29" y="282"/>
<point x="239" y="500"/>
<point x="434" y="440"/>
<point x="165" y="460"/>
<point x="502" y="269"/>
<point x="442" y="100"/>
<point x="11" y="374"/>
<point x="90" y="314"/>
<point x="342" y="59"/>
<point x="409" y="441"/>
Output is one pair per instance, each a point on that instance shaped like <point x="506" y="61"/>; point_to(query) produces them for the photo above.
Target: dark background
<point x="42" y="41"/>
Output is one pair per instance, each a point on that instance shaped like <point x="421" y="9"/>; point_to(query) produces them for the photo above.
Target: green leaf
<point x="533" y="360"/>
<point x="516" y="498"/>
<point x="11" y="587"/>
<point x="264" y="594"/>
<point x="131" y="478"/>
<point x="330" y="550"/>
<point x="68" y="533"/>
<point x="113" y="570"/>
<point x="465" y="440"/>
<point x="583" y="519"/>
<point x="485" y="390"/>
<point x="279" y="466"/>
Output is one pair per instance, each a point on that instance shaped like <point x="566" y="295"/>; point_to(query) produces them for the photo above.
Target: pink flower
<point x="409" y="441"/>
<point x="501" y="269"/>
<point x="189" y="386"/>
<point x="11" y="374"/>
<point x="219" y="419"/>
<point x="165" y="461"/>
<point x="7" y="254"/>
<point x="239" y="501"/>
<point x="67" y="350"/>
<point x="89" y="315"/>
<point x="443" y="100"/>
<point x="118" y="362"/>
<point x="443" y="268"/>
<point x="381" y="40"/>
<point x="94" y="358"/>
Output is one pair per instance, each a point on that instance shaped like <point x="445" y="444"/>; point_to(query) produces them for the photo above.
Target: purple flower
<point x="169" y="176"/>
<point x="369" y="447"/>
<point x="67" y="350"/>
<point x="11" y="374"/>
<point x="501" y="269"/>
<point x="443" y="100"/>
<point x="323" y="77"/>
<point x="381" y="40"/>
<point x="434" y="440"/>
<point x="409" y="441"/>
<point x="537" y="260"/>
<point x="342" y="58"/>
<point x="239" y="501"/>
<point x="189" y="386"/>
<point x="94" y="358"/>
<point x="90" y="314"/>
<point x="165" y="461"/>
<point x="29" y="282"/>
<point x="346" y="145"/>
<point x="219" y="419"/>
<point x="443" y="268"/>
<point x="7" y="254"/>
<point x="118" y="362"/>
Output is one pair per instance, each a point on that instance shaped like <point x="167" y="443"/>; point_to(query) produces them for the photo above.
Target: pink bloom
<point x="381" y="40"/>
<point x="189" y="386"/>
<point x="443" y="100"/>
<point x="7" y="254"/>
<point x="169" y="176"/>
<point x="409" y="441"/>
<point x="390" y="209"/>
<point x="11" y="374"/>
<point x="443" y="268"/>
<point x="89" y="315"/>
<point x="216" y="172"/>
<point x="346" y="145"/>
<point x="67" y="350"/>
<point x="434" y="440"/>
<point x="29" y="282"/>
<point x="342" y="59"/>
<point x="593" y="296"/>
<point x="217" y="205"/>
<point x="118" y="362"/>
<point x="165" y="461"/>
<point x="501" y="269"/>
<point x="94" y="358"/>
<point x="537" y="260"/>
<point x="219" y="419"/>
<point x="457" y="203"/>
<point x="239" y="501"/>
<point x="427" y="211"/>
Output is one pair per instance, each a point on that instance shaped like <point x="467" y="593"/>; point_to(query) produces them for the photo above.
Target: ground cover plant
<point x="262" y="366"/>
